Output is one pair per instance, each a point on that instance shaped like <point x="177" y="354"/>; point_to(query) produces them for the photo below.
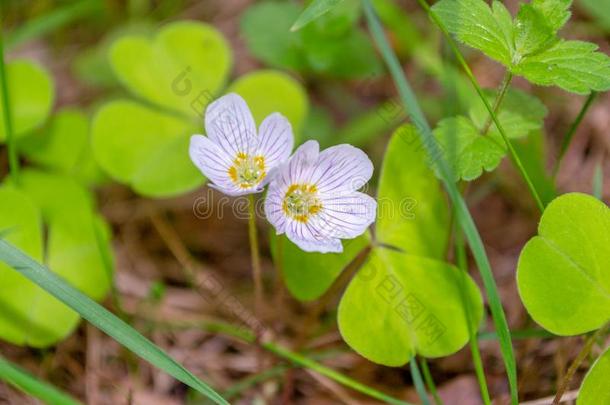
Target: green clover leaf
<point x="563" y="273"/>
<point x="76" y="247"/>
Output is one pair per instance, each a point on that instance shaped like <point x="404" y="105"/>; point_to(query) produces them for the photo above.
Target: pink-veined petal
<point x="275" y="140"/>
<point x="273" y="210"/>
<point x="305" y="237"/>
<point x="214" y="163"/>
<point x="345" y="216"/>
<point x="229" y="123"/>
<point x="340" y="169"/>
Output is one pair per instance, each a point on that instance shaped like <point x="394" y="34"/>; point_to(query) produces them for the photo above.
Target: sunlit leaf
<point x="144" y="148"/>
<point x="400" y="305"/>
<point x="183" y="61"/>
<point x="268" y="91"/>
<point x="309" y="275"/>
<point x="75" y="242"/>
<point x="412" y="210"/>
<point x="595" y="389"/>
<point x="31" y="95"/>
<point x="563" y="273"/>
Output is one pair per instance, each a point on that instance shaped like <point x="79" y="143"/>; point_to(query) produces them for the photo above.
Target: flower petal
<point x="345" y="216"/>
<point x="229" y="123"/>
<point x="300" y="166"/>
<point x="273" y="210"/>
<point x="342" y="168"/>
<point x="214" y="163"/>
<point x="304" y="236"/>
<point x="275" y="140"/>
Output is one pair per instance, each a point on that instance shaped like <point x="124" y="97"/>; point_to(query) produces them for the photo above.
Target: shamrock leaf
<point x="529" y="45"/>
<point x="412" y="211"/>
<point x="313" y="11"/>
<point x="174" y="76"/>
<point x="563" y="273"/>
<point x="594" y="389"/>
<point x="64" y="146"/>
<point x="309" y="275"/>
<point x="399" y="305"/>
<point x="31" y="94"/>
<point x="76" y="247"/>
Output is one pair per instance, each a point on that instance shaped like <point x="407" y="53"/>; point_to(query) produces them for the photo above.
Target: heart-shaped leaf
<point x="77" y="248"/>
<point x="64" y="146"/>
<point x="31" y="95"/>
<point x="563" y="273"/>
<point x="400" y="305"/>
<point x="412" y="210"/>
<point x="595" y="389"/>
<point x="309" y="275"/>
<point x="182" y="61"/>
<point x="145" y="149"/>
<point x="269" y="91"/>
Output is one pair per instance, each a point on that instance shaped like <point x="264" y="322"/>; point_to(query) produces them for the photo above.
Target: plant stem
<point x="584" y="352"/>
<point x="567" y="139"/>
<point x="465" y="219"/>
<point x="598" y="181"/>
<point x="430" y="381"/>
<point x="508" y="77"/>
<point x="460" y="253"/>
<point x="417" y="380"/>
<point x="460" y="58"/>
<point x="256" y="260"/>
<point x="6" y="113"/>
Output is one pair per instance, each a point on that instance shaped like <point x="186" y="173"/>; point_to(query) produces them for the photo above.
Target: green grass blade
<point x="102" y="318"/>
<point x="6" y="113"/>
<point x="465" y="219"/>
<point x="24" y="381"/>
<point x="314" y="10"/>
<point x="53" y="21"/>
<point x="430" y="382"/>
<point x="418" y="382"/>
<point x="567" y="139"/>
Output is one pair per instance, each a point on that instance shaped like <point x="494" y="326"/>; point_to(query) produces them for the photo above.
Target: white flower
<point x="233" y="156"/>
<point x="313" y="198"/>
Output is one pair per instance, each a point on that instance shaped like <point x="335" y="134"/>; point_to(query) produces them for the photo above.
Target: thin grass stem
<point x="13" y="159"/>
<point x="430" y="381"/>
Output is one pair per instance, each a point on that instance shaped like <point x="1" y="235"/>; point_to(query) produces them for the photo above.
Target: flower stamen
<point x="301" y="202"/>
<point x="247" y="171"/>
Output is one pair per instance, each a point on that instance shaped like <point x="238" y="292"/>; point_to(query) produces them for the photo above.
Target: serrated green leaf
<point x="519" y="114"/>
<point x="268" y="91"/>
<point x="555" y="12"/>
<point x="563" y="274"/>
<point x="184" y="60"/>
<point x="31" y="95"/>
<point x="466" y="150"/>
<point x="64" y="146"/>
<point x="314" y="10"/>
<point x="412" y="212"/>
<point x="135" y="144"/>
<point x="309" y="275"/>
<point x="30" y="316"/>
<point x="533" y="31"/>
<point x="595" y="389"/>
<point x="473" y="22"/>
<point x="574" y="66"/>
<point x="400" y="305"/>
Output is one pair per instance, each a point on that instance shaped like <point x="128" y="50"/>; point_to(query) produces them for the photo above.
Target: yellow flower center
<point x="247" y="171"/>
<point x="301" y="202"/>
